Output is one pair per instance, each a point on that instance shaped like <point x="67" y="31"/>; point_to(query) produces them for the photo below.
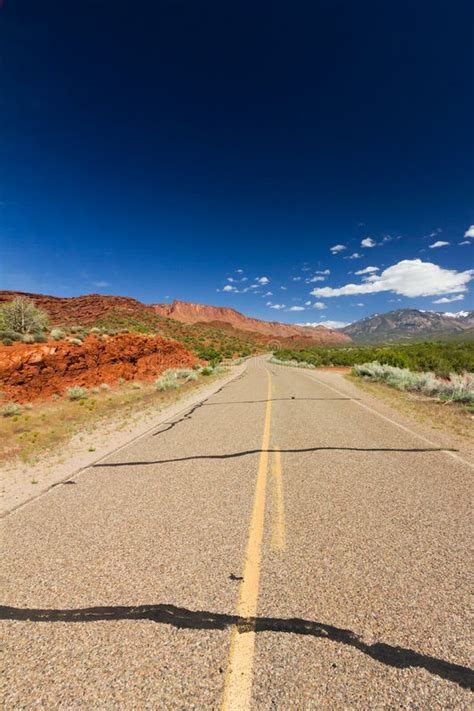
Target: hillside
<point x="191" y="313"/>
<point x="114" y="314"/>
<point x="411" y="324"/>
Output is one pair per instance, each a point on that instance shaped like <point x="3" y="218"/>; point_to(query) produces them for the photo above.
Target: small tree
<point x="22" y="316"/>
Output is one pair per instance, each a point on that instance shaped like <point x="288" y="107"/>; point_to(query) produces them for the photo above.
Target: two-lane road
<point x="279" y="546"/>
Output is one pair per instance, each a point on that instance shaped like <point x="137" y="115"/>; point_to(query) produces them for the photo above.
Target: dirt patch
<point x="31" y="372"/>
<point x="450" y="417"/>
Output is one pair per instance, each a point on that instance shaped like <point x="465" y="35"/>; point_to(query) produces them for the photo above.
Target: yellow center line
<point x="238" y="683"/>
<point x="278" y="539"/>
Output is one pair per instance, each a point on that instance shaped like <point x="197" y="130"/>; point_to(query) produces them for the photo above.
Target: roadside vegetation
<point x="439" y="358"/>
<point x="456" y="387"/>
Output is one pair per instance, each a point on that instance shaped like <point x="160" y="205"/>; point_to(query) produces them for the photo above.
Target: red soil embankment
<point x="29" y="372"/>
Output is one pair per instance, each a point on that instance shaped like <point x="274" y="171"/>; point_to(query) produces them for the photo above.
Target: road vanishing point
<point x="279" y="545"/>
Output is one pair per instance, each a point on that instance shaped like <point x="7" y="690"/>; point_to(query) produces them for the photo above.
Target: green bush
<point x="76" y="393"/>
<point x="167" y="381"/>
<point x="28" y="338"/>
<point x="439" y="358"/>
<point x="40" y="338"/>
<point x="10" y="409"/>
<point x="12" y="335"/>
<point x="7" y="341"/>
<point x="206" y="371"/>
<point x="459" y="388"/>
<point x="57" y="334"/>
<point x="22" y="316"/>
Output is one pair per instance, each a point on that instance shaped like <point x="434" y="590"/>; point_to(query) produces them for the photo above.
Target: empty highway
<point x="280" y="545"/>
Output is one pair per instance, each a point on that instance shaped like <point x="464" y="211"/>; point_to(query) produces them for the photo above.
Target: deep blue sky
<point x="150" y="149"/>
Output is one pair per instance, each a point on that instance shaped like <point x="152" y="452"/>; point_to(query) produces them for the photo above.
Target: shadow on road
<point x="180" y="617"/>
<point x="244" y="453"/>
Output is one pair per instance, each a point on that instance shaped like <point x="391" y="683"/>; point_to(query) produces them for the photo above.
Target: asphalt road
<point x="279" y="546"/>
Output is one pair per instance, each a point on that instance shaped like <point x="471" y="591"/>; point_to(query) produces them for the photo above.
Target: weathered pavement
<point x="123" y="589"/>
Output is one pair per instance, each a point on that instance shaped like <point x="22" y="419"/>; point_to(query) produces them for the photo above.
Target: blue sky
<point x="155" y="151"/>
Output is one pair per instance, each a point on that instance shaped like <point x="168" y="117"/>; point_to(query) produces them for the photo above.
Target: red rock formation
<point x="200" y="313"/>
<point x="29" y="372"/>
<point x="80" y="309"/>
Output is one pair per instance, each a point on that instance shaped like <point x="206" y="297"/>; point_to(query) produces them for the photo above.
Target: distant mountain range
<point x="411" y="325"/>
<point x="187" y="312"/>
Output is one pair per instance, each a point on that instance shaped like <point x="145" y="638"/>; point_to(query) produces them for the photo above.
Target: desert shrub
<point x="40" y="338"/>
<point x="76" y="393"/>
<point x="121" y="381"/>
<point x="28" y="338"/>
<point x="104" y="386"/>
<point x="76" y="341"/>
<point x="76" y="329"/>
<point x="135" y="385"/>
<point x="218" y="369"/>
<point x="186" y="374"/>
<point x="459" y="388"/>
<point x="7" y="341"/>
<point x="57" y="334"/>
<point x="10" y="409"/>
<point x="22" y="316"/>
<point x="167" y="381"/>
<point x="94" y="329"/>
<point x="95" y="390"/>
<point x="294" y="363"/>
<point x="12" y="335"/>
<point x="436" y="357"/>
<point x="207" y="370"/>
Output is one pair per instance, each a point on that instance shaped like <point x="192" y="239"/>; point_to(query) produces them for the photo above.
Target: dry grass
<point x="48" y="426"/>
<point x="451" y="417"/>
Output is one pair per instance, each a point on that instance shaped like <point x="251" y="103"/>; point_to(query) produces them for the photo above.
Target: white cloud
<point x="469" y="232"/>
<point x="296" y="308"/>
<point x="100" y="284"/>
<point x="338" y="248"/>
<point x="355" y="255"/>
<point x="283" y="288"/>
<point x="465" y="241"/>
<point x="324" y="271"/>
<point x="268" y="293"/>
<point x="438" y="243"/>
<point x="449" y="299"/>
<point x="359" y="304"/>
<point x="263" y="280"/>
<point x="239" y="271"/>
<point x="410" y="277"/>
<point x="230" y="279"/>
<point x="307" y="303"/>
<point x="277" y="306"/>
<point x="228" y="287"/>
<point x="298" y="278"/>
<point x="327" y="324"/>
<point x="319" y="305"/>
<point x="368" y="242"/>
<point x="368" y="270"/>
<point x="314" y="279"/>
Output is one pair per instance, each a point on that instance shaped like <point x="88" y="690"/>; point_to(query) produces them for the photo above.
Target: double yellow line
<point x="238" y="683"/>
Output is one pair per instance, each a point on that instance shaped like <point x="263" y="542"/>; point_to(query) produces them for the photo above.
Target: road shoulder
<point x="22" y="483"/>
<point x="397" y="408"/>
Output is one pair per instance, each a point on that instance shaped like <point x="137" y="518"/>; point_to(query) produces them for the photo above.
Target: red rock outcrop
<point x="82" y="310"/>
<point x="201" y="313"/>
<point x="29" y="372"/>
